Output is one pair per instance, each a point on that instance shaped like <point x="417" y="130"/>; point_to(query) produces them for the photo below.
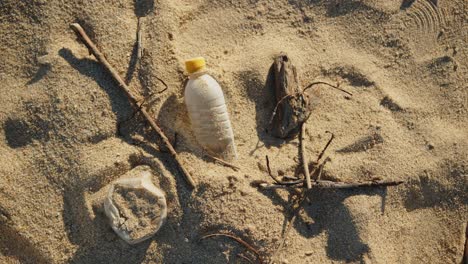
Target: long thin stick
<point x="333" y="86"/>
<point x="333" y="185"/>
<point x="305" y="162"/>
<point x="139" y="44"/>
<point x="326" y="146"/>
<point x="101" y="58"/>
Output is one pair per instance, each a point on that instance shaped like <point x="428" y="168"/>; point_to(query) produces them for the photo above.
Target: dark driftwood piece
<point x="134" y="100"/>
<point x="292" y="105"/>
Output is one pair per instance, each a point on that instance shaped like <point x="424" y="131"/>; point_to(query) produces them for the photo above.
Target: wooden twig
<point x="225" y="163"/>
<point x="326" y="146"/>
<point x="238" y="240"/>
<point x="330" y="85"/>
<point x="163" y="83"/>
<point x="333" y="185"/>
<point x="139" y="44"/>
<point x="269" y="170"/>
<point x="101" y="58"/>
<point x="273" y="114"/>
<point x="319" y="175"/>
<point x="276" y="179"/>
<point x="305" y="161"/>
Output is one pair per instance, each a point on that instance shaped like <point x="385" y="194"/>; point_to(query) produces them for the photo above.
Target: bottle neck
<point x="197" y="73"/>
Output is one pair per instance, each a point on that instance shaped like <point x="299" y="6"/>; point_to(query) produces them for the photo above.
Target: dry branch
<point x="305" y="162"/>
<point x="139" y="43"/>
<point x="101" y="58"/>
<point x="333" y="185"/>
<point x="293" y="182"/>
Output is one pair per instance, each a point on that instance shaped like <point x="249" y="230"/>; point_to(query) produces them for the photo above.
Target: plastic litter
<point x="208" y="112"/>
<point x="135" y="207"/>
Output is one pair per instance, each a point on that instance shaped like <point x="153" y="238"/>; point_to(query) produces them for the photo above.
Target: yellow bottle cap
<point x="195" y="64"/>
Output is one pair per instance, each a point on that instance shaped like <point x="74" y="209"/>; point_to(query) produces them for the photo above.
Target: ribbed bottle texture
<point x="209" y="116"/>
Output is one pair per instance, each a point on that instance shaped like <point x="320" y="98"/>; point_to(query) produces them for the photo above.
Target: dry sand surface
<point x="66" y="130"/>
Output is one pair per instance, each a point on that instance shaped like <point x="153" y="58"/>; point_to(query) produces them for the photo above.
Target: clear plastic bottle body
<point x="209" y="116"/>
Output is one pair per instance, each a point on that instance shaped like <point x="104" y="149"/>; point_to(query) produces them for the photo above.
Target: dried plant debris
<point x="292" y="105"/>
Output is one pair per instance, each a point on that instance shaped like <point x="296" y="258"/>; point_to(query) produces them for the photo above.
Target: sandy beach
<point x="67" y="130"/>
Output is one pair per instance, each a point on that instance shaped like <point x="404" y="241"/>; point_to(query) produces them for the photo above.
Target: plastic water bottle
<point x="208" y="112"/>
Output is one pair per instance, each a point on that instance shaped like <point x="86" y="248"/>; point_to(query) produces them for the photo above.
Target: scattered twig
<point x="225" y="163"/>
<point x="330" y="85"/>
<point x="319" y="175"/>
<point x="164" y="83"/>
<point x="322" y="184"/>
<point x="276" y="107"/>
<point x="326" y="146"/>
<point x="300" y="184"/>
<point x="238" y="240"/>
<point x="273" y="114"/>
<point x="278" y="181"/>
<point x="304" y="160"/>
<point x="135" y="112"/>
<point x="139" y="42"/>
<point x="269" y="170"/>
<point x="101" y="58"/>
